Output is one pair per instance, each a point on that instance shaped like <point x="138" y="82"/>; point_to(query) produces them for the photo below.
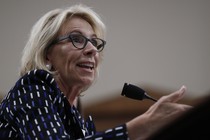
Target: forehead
<point x="77" y="24"/>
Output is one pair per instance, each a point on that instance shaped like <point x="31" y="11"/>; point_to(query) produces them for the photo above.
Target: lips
<point x="86" y="65"/>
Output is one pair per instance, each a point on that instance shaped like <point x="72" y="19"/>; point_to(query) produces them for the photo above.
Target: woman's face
<point x="75" y="67"/>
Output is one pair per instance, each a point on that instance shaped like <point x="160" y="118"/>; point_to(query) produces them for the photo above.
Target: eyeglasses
<point x="79" y="41"/>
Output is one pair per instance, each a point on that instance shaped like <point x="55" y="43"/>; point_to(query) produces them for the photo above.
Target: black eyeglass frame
<point x="69" y="36"/>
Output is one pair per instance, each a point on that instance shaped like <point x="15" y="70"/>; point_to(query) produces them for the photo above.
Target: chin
<point x="86" y="87"/>
<point x="87" y="84"/>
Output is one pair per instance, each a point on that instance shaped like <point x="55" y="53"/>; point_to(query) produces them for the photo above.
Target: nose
<point x="90" y="49"/>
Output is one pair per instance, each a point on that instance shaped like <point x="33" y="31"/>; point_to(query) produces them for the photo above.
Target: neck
<point x="71" y="92"/>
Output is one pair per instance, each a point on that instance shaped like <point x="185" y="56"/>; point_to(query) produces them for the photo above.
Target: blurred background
<point x="158" y="45"/>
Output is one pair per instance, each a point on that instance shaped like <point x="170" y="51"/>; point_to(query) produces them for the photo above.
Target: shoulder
<point x="36" y="77"/>
<point x="34" y="82"/>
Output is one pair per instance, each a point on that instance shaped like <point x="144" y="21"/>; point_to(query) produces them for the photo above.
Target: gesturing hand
<point x="164" y="111"/>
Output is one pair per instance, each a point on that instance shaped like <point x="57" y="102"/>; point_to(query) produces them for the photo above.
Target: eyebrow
<point x="76" y="31"/>
<point x="79" y="32"/>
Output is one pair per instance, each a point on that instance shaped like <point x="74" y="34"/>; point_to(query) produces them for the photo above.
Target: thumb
<point x="175" y="96"/>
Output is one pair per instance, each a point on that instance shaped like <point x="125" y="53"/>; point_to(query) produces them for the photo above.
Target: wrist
<point x="138" y="128"/>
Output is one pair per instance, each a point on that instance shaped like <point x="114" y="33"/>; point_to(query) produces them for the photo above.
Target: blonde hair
<point x="46" y="30"/>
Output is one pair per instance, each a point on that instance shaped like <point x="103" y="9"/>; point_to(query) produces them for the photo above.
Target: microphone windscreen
<point x="132" y="91"/>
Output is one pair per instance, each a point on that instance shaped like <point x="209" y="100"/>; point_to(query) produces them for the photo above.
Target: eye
<point x="94" y="42"/>
<point x="77" y="39"/>
<point x="100" y="47"/>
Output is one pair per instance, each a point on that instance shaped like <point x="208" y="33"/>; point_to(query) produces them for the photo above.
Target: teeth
<point x="86" y="65"/>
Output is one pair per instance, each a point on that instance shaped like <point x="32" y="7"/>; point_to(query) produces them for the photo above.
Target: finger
<point x="175" y="96"/>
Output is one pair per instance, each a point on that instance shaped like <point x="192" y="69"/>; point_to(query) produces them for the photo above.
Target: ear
<point x="48" y="62"/>
<point x="47" y="58"/>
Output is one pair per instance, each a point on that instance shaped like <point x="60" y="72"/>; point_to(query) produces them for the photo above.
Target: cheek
<point x="59" y="56"/>
<point x="98" y="61"/>
<point x="65" y="51"/>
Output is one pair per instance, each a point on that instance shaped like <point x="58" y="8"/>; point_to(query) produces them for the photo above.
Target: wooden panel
<point x="119" y="110"/>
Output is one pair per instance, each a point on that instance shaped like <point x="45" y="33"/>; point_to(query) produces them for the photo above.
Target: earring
<point x="49" y="66"/>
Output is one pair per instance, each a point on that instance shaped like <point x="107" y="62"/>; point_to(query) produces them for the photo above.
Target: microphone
<point x="134" y="92"/>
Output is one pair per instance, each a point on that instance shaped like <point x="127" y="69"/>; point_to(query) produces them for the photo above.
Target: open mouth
<point x="86" y="65"/>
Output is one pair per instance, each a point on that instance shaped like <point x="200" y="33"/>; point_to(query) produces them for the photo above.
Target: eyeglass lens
<point x="80" y="42"/>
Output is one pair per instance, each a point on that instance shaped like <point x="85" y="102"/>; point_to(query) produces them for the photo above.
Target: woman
<point x="59" y="62"/>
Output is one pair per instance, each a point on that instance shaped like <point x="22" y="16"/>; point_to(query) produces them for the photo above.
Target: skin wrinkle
<point x="65" y="58"/>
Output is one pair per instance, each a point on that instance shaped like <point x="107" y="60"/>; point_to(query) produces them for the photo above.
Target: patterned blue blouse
<point x="36" y="109"/>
